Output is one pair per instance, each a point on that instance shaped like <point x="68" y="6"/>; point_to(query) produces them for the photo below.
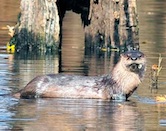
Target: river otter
<point x="125" y="78"/>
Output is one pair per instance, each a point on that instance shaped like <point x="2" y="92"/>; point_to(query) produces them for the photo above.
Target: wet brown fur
<point x="126" y="76"/>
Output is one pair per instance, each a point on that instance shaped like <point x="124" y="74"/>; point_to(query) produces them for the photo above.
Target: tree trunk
<point x="113" y="23"/>
<point x="107" y="23"/>
<point x="39" y="25"/>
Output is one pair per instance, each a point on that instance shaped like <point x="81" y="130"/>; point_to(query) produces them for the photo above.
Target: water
<point x="142" y="112"/>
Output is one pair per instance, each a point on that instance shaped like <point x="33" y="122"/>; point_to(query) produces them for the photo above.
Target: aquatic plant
<point x="155" y="71"/>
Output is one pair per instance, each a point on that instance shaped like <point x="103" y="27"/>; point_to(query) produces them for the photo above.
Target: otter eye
<point x="128" y="56"/>
<point x="139" y="55"/>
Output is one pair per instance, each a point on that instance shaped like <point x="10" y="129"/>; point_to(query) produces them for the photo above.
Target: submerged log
<point x="107" y="23"/>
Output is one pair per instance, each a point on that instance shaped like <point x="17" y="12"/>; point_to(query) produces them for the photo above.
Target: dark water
<point x="142" y="112"/>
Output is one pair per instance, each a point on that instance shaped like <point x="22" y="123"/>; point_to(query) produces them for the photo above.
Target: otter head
<point x="129" y="72"/>
<point x="135" y="62"/>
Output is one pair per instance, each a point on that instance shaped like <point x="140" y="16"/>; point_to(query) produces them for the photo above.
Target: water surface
<point x="141" y="112"/>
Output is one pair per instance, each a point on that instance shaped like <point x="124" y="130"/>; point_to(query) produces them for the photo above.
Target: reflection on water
<point x="77" y="115"/>
<point x="142" y="112"/>
<point x="72" y="49"/>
